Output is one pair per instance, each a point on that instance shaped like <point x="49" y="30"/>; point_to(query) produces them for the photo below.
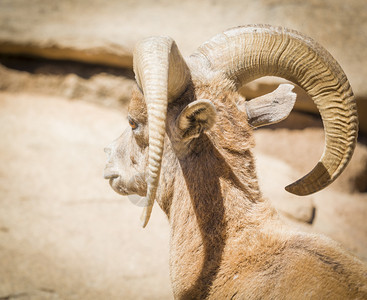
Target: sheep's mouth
<point x="115" y="181"/>
<point x="122" y="187"/>
<point x="118" y="182"/>
<point x="108" y="174"/>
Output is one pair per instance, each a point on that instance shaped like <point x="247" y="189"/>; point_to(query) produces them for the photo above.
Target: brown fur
<point x="226" y="240"/>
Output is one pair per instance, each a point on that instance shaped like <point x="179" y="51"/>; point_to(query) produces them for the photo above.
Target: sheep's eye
<point x="132" y="123"/>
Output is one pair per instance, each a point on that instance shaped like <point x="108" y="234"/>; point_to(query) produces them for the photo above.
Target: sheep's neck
<point x="211" y="206"/>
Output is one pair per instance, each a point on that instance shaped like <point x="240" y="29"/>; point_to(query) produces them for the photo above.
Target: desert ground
<point x="64" y="233"/>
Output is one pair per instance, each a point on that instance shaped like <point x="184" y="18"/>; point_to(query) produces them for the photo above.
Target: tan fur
<point x="227" y="242"/>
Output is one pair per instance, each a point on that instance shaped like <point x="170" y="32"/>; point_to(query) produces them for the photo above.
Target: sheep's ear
<point x="195" y="118"/>
<point x="270" y="108"/>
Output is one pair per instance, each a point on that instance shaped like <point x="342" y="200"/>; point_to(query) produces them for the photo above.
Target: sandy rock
<point x="354" y="178"/>
<point x="107" y="54"/>
<point x="93" y="32"/>
<point x="103" y="85"/>
<point x="114" y="29"/>
<point x="301" y="209"/>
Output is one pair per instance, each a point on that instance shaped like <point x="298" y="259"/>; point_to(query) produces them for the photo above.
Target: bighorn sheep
<point x="188" y="120"/>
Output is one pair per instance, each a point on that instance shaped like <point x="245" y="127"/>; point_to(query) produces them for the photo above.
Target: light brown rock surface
<point x="107" y="86"/>
<point x="100" y="32"/>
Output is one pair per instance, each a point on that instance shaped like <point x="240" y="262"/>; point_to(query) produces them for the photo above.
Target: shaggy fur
<point x="227" y="242"/>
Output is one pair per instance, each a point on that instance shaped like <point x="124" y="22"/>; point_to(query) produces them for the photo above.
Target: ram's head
<point x="177" y="101"/>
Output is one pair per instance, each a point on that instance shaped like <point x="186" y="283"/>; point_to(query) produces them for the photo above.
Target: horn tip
<point x="145" y="216"/>
<point x="297" y="190"/>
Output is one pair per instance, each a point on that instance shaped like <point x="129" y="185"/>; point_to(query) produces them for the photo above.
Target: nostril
<point x="108" y="174"/>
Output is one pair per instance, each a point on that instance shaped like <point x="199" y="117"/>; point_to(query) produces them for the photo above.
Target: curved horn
<point x="246" y="53"/>
<point x="162" y="75"/>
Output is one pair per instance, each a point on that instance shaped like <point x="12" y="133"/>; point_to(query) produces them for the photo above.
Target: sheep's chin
<point x="119" y="187"/>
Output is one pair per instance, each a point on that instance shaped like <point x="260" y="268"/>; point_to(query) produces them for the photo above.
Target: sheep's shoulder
<point x="297" y="265"/>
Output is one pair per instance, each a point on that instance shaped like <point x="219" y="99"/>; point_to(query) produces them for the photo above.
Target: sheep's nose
<point x="107" y="150"/>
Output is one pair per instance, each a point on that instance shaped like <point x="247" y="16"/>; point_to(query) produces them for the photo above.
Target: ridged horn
<point x="162" y="75"/>
<point x="246" y="53"/>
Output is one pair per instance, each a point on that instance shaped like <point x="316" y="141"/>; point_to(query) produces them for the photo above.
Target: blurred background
<point x="65" y="81"/>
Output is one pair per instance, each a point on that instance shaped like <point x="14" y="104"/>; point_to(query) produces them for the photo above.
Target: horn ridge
<point x="162" y="75"/>
<point x="243" y="54"/>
